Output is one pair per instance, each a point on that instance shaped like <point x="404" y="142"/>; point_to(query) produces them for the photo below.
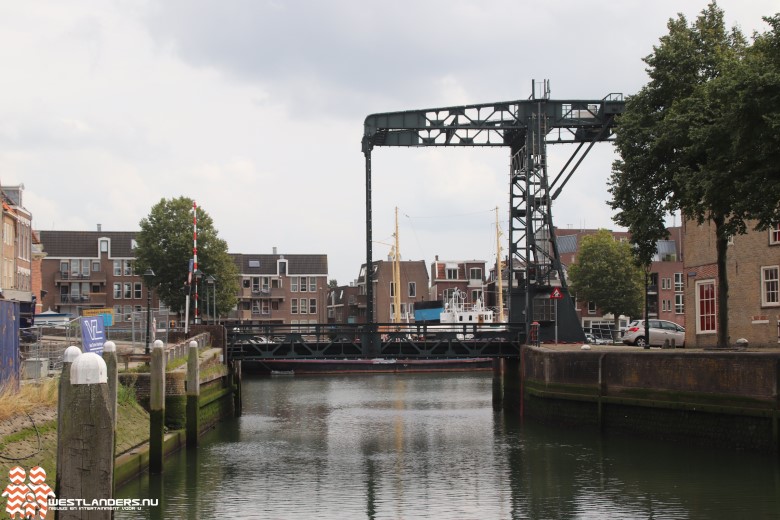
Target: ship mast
<point x="396" y="274"/>
<point x="500" y="282"/>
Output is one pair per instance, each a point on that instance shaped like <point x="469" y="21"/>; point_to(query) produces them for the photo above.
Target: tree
<point x="606" y="274"/>
<point x="333" y="283"/>
<point x="696" y="140"/>
<point x="165" y="244"/>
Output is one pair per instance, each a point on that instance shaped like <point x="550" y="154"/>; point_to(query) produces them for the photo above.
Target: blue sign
<point x="93" y="335"/>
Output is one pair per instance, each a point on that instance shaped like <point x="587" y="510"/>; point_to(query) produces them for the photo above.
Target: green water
<point x="430" y="446"/>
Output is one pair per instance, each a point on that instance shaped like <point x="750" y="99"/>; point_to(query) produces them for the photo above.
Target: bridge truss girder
<point x="526" y="127"/>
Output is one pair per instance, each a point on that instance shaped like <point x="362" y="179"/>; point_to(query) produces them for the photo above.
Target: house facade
<point x="753" y="271"/>
<point x="283" y="289"/>
<point x="466" y="276"/>
<point x="16" y="252"/>
<point x="346" y="304"/>
<point x="413" y="289"/>
<point x="91" y="270"/>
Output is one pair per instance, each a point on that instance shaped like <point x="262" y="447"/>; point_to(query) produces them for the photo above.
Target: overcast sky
<point x="255" y="109"/>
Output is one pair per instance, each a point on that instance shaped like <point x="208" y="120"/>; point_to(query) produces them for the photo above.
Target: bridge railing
<point x="345" y="341"/>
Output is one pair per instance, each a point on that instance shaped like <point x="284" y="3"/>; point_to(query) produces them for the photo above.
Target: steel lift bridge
<point x="526" y="128"/>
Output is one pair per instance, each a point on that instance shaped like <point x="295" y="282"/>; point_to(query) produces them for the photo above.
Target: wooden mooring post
<point x="156" y="407"/>
<point x="87" y="435"/>
<point x="68" y="357"/>
<point x="193" y="395"/>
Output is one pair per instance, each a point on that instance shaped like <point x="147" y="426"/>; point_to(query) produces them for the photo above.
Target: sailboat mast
<point x="499" y="271"/>
<point x="397" y="274"/>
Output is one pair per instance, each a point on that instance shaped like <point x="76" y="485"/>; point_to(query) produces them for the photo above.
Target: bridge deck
<point x="253" y="342"/>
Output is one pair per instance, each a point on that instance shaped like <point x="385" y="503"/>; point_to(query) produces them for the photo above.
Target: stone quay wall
<point x="725" y="399"/>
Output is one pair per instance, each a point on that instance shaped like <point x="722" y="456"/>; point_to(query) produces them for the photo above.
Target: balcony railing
<point x="92" y="276"/>
<point x="98" y="299"/>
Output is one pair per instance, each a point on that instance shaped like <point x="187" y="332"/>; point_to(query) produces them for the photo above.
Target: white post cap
<point x="88" y="369"/>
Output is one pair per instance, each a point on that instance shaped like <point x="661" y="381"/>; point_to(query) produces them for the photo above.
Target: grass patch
<point x="27" y="398"/>
<point x="125" y="394"/>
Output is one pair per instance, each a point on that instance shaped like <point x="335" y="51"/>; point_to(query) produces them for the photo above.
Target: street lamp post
<point x="198" y="275"/>
<point x="148" y="276"/>
<point x="213" y="288"/>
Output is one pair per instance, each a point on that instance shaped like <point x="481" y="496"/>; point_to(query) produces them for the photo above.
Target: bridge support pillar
<point x="237" y="397"/>
<point x="513" y="385"/>
<point x="156" y="408"/>
<point x="498" y="383"/>
<point x="193" y="395"/>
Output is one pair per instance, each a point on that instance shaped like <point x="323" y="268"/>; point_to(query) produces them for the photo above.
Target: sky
<point x="255" y="109"/>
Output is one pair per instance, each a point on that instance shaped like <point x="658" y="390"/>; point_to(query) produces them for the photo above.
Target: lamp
<point x="210" y="283"/>
<point x="148" y="276"/>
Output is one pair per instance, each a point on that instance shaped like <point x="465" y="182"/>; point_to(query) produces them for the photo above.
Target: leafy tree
<point x="333" y="283"/>
<point x="702" y="138"/>
<point x="165" y="244"/>
<point x="605" y="273"/>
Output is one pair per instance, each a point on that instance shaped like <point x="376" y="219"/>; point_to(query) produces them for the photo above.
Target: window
<point x="774" y="234"/>
<point x="666" y="283"/>
<point x="117" y="291"/>
<point x="137" y="292"/>
<point x="412" y="289"/>
<point x="770" y="286"/>
<point x="95" y="267"/>
<point x="281" y="267"/>
<point x="256" y="283"/>
<point x="118" y="312"/>
<point x="104" y="246"/>
<point x="706" y="315"/>
<point x="128" y="312"/>
<point x="85" y="268"/>
<point x="275" y="305"/>
<point x="245" y="283"/>
<point x="276" y="283"/>
<point x="591" y="308"/>
<point x="452" y="273"/>
<point x="679" y="306"/>
<point x="475" y="273"/>
<point x="303" y="285"/>
<point x="476" y="294"/>
<point x="255" y="306"/>
<point x="678" y="282"/>
<point x="266" y="283"/>
<point x="312" y="284"/>
<point x="294" y="306"/>
<point x="312" y="305"/>
<point x="128" y="268"/>
<point x="265" y="308"/>
<point x="117" y="268"/>
<point x="128" y="290"/>
<point x="392" y="289"/>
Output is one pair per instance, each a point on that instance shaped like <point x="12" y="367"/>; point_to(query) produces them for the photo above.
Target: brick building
<point x="753" y="270"/>
<point x="91" y="270"/>
<point x="467" y="276"/>
<point x="414" y="288"/>
<point x="278" y="288"/>
<point x="346" y="305"/>
<point x="16" y="252"/>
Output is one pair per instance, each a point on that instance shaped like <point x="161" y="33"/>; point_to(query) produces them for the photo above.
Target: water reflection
<point x="431" y="446"/>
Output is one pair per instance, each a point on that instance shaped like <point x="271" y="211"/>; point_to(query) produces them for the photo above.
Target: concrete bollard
<point x="193" y="395"/>
<point x="742" y="344"/>
<point x="87" y="466"/>
<point x="156" y="407"/>
<point x="68" y="357"/>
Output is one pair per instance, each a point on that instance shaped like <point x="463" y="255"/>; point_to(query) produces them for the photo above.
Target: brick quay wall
<point x="727" y="399"/>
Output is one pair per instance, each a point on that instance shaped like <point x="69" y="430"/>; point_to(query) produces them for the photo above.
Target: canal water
<point x="431" y="446"/>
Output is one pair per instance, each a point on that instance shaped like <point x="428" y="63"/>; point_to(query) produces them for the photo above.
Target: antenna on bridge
<point x="540" y="90"/>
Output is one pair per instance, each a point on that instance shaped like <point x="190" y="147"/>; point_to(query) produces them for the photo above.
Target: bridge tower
<point x="526" y="127"/>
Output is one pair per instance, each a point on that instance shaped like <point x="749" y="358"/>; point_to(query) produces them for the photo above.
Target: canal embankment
<point x="718" y="398"/>
<point x="29" y="437"/>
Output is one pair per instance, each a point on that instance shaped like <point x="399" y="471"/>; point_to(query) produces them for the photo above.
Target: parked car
<point x="660" y="331"/>
<point x="590" y="338"/>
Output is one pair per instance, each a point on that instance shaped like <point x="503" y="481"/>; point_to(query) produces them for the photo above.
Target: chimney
<point x="274" y="249"/>
<point x="99" y="228"/>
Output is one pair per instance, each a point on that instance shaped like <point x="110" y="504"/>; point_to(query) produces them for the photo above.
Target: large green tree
<point x="702" y="138"/>
<point x="605" y="273"/>
<point x="165" y="244"/>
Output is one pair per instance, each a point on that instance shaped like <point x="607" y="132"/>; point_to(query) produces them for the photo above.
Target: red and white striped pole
<point x="195" y="256"/>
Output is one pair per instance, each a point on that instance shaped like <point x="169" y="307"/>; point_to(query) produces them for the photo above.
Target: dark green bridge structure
<point x="534" y="271"/>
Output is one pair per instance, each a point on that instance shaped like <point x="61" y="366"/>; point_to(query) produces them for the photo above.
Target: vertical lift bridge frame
<point x="526" y="127"/>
